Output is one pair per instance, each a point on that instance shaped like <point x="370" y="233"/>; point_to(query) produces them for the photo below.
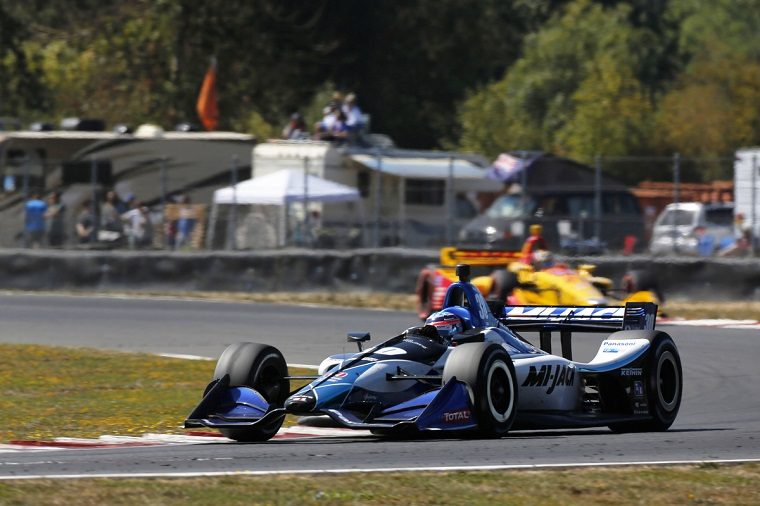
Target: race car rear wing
<point x="546" y="319"/>
<point x="451" y="256"/>
<point x="632" y="316"/>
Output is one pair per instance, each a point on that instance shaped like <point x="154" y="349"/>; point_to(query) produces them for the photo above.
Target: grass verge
<point x="48" y="392"/>
<point x="707" y="484"/>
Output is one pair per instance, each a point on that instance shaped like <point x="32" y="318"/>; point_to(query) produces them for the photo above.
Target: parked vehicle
<point x="580" y="212"/>
<point x="469" y="368"/>
<point x="693" y="228"/>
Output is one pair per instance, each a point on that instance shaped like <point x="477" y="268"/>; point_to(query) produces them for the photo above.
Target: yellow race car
<point x="500" y="275"/>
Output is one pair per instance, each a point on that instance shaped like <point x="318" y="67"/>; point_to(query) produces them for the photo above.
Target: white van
<point x="693" y="228"/>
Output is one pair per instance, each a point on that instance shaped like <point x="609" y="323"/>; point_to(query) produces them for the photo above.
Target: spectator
<point x="137" y="225"/>
<point x="185" y="222"/>
<point x="535" y="242"/>
<point x="742" y="243"/>
<point x="323" y="128"/>
<point x="55" y="217"/>
<point x="122" y="205"/>
<point x="85" y="224"/>
<point x="296" y="128"/>
<point x="337" y="100"/>
<point x="34" y="223"/>
<point x="705" y="241"/>
<point x="110" y="217"/>
<point x="354" y="119"/>
<point x="339" y="129"/>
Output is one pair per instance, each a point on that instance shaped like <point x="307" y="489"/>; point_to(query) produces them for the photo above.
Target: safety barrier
<point x="385" y="269"/>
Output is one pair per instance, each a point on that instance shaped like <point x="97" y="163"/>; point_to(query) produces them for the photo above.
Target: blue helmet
<point x="450" y="321"/>
<point x="463" y="314"/>
<point x="446" y="323"/>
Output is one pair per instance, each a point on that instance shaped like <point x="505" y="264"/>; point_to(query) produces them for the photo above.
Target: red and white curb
<point x="191" y="438"/>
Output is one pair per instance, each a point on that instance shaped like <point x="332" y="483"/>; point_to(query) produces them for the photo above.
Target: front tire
<point x="489" y="374"/>
<point x="262" y="368"/>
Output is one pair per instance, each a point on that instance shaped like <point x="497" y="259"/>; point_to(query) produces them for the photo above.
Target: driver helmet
<point x="446" y="323"/>
<point x="542" y="259"/>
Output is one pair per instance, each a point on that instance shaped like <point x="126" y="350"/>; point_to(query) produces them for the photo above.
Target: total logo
<point x="460" y="416"/>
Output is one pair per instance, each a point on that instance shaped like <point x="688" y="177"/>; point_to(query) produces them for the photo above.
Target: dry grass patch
<point x="48" y="392"/>
<point x="710" y="484"/>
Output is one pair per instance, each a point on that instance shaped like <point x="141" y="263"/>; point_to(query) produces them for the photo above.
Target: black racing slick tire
<point x="262" y="368"/>
<point x="424" y="291"/>
<point x="489" y="374"/>
<point x="640" y="280"/>
<point x="664" y="383"/>
<point x="504" y="282"/>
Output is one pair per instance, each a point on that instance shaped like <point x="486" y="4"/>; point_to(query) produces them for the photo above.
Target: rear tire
<point x="489" y="374"/>
<point x="504" y="282"/>
<point x="262" y="368"/>
<point x="424" y="290"/>
<point x="639" y="280"/>
<point x="664" y="381"/>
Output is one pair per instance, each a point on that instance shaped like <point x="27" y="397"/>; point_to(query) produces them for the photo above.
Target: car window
<point x="551" y="205"/>
<point x="677" y="217"/>
<point x="720" y="217"/>
<point x="463" y="208"/>
<point x="506" y="206"/>
<point x="619" y="203"/>
<point x="582" y="203"/>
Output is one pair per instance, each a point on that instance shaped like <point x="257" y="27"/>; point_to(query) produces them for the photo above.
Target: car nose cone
<point x="302" y="403"/>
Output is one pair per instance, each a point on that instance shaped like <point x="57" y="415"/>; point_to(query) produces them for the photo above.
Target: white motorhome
<point x="409" y="197"/>
<point x="148" y="163"/>
<point x="747" y="188"/>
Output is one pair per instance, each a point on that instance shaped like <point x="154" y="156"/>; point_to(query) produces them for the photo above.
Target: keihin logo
<point x="558" y="375"/>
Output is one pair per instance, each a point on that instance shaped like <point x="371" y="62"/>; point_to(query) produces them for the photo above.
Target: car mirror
<point x="358" y="338"/>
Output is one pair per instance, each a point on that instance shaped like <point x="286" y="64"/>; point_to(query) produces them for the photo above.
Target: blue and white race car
<point x="467" y="369"/>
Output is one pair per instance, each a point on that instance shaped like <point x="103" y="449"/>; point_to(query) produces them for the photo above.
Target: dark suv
<point x="568" y="219"/>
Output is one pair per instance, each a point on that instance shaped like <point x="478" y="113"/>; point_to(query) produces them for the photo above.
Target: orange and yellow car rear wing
<point x="451" y="256"/>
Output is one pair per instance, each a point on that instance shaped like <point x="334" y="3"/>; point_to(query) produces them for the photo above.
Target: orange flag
<point x="208" y="111"/>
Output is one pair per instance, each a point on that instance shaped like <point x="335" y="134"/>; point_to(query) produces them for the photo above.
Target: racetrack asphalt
<point x="719" y="417"/>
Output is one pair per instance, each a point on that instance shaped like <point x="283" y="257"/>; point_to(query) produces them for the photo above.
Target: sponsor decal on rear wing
<point x="452" y="256"/>
<point x="633" y="316"/>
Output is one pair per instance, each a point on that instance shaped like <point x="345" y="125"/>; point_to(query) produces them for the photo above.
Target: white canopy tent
<point x="283" y="188"/>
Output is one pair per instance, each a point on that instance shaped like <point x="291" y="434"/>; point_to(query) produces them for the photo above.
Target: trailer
<point x="747" y="188"/>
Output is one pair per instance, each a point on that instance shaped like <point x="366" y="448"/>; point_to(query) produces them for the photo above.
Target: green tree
<point x="574" y="92"/>
<point x="711" y="108"/>
<point x="21" y="89"/>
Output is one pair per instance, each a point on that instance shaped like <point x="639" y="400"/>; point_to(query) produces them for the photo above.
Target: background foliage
<point x="577" y="78"/>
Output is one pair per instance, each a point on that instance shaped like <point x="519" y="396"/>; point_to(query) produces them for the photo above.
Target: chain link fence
<point x="157" y="206"/>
